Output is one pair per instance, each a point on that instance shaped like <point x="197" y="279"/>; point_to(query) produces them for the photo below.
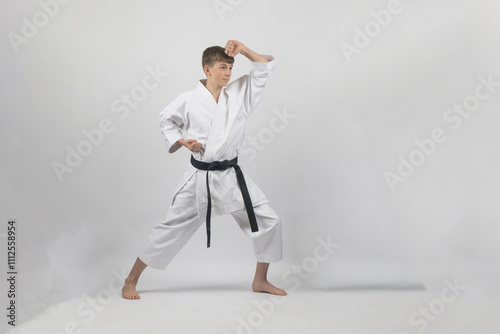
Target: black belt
<point x="223" y="165"/>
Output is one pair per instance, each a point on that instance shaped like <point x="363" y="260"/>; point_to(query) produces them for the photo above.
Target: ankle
<point x="131" y="280"/>
<point x="259" y="280"/>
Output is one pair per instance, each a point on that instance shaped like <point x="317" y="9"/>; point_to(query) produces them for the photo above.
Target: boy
<point x="213" y="115"/>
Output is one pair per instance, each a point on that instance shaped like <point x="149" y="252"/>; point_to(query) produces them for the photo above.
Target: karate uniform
<point x="220" y="128"/>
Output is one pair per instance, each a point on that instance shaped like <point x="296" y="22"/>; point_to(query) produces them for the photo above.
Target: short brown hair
<point x="213" y="54"/>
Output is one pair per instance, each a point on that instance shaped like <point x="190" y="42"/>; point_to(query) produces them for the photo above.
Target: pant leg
<point x="169" y="236"/>
<point x="267" y="242"/>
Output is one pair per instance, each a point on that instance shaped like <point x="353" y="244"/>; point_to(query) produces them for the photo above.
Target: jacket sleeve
<point x="256" y="83"/>
<point x="172" y="123"/>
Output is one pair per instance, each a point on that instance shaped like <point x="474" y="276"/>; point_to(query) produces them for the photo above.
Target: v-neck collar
<point x="202" y="88"/>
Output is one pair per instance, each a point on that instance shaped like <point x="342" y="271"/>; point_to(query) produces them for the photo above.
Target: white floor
<point x="220" y="310"/>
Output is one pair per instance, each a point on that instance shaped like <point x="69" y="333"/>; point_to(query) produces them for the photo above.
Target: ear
<point x="206" y="69"/>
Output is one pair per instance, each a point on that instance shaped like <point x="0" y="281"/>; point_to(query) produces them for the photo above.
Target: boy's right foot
<point x="265" y="286"/>
<point x="129" y="291"/>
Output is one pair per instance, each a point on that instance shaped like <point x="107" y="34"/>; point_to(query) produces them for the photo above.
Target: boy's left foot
<point x="265" y="286"/>
<point x="129" y="291"/>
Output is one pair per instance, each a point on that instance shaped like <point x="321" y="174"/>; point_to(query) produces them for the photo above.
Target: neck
<point x="214" y="89"/>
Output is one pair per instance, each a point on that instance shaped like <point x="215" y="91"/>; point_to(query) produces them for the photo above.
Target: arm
<point x="172" y="124"/>
<point x="191" y="144"/>
<point x="255" y="83"/>
<point x="234" y="47"/>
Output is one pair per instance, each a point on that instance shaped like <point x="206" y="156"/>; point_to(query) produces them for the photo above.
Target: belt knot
<point x="221" y="165"/>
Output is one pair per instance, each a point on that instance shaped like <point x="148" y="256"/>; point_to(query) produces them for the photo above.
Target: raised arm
<point x="234" y="47"/>
<point x="255" y="83"/>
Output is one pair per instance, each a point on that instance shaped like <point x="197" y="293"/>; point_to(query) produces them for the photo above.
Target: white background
<point x="323" y="172"/>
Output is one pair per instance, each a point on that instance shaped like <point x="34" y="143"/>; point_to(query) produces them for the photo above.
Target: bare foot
<point x="265" y="286"/>
<point x="128" y="290"/>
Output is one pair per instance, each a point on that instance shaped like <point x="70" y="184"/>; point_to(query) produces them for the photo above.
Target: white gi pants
<point x="169" y="236"/>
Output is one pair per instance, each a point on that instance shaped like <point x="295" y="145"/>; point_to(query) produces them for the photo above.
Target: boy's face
<point x="220" y="74"/>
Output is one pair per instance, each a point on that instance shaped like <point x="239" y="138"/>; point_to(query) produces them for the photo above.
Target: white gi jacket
<point x="220" y="127"/>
